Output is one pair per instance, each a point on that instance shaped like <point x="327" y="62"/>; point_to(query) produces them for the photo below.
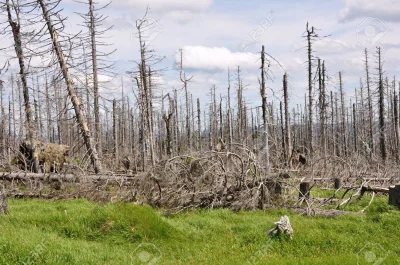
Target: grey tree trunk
<point x="16" y="30"/>
<point x="96" y="95"/>
<point x="3" y="201"/>
<point x="370" y="108"/>
<point x="264" y="109"/>
<point x="343" y="109"/>
<point x="288" y="139"/>
<point x="381" y="103"/>
<point x="199" y="124"/>
<point x="71" y="89"/>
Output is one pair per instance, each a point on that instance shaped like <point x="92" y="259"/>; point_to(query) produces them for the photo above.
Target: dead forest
<point x="61" y="137"/>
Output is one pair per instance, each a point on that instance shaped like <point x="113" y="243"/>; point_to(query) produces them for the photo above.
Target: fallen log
<point x="323" y="212"/>
<point x="63" y="177"/>
<point x="375" y="189"/>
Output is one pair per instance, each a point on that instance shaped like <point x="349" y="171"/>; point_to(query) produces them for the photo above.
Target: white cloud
<point x="216" y="58"/>
<point x="384" y="9"/>
<point x="190" y="5"/>
<point x="327" y="46"/>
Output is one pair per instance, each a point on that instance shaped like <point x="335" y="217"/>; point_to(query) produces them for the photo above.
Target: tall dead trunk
<point x="344" y="122"/>
<point x="323" y="114"/>
<point x="230" y="130"/>
<point x="370" y="108"/>
<point x="288" y="139"/>
<point x="199" y="124"/>
<point x="115" y="132"/>
<point x="71" y="89"/>
<point x="264" y="109"/>
<point x="16" y="30"/>
<point x="92" y="29"/>
<point x="310" y="32"/>
<point x="167" y="120"/>
<point x="381" y="103"/>
<point x="396" y="126"/>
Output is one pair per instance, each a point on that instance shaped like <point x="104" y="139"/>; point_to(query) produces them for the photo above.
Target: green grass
<point x="81" y="232"/>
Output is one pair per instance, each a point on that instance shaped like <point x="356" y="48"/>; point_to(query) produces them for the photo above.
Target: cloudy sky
<point x="218" y="35"/>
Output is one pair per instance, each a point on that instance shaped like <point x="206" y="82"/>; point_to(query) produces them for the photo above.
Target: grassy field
<point x="82" y="232"/>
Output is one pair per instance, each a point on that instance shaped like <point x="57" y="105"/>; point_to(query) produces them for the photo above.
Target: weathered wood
<point x="71" y="88"/>
<point x="338" y="183"/>
<point x="283" y="226"/>
<point x="278" y="188"/>
<point x="375" y="189"/>
<point x="394" y="196"/>
<point x="62" y="177"/>
<point x="304" y="190"/>
<point x="3" y="201"/>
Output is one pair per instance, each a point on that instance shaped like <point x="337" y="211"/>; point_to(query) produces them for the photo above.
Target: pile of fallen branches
<point x="232" y="179"/>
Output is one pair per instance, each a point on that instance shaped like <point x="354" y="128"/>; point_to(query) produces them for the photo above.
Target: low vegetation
<point x="82" y="232"/>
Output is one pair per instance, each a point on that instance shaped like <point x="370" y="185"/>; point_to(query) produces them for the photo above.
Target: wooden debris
<point x="282" y="227"/>
<point x="3" y="201"/>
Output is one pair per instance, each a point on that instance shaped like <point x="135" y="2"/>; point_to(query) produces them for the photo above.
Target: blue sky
<point x="211" y="33"/>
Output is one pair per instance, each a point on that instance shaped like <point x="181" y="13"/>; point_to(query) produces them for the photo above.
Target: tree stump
<point x="338" y="183"/>
<point x="3" y="201"/>
<point x="278" y="188"/>
<point x="283" y="226"/>
<point x="394" y="196"/>
<point x="304" y="190"/>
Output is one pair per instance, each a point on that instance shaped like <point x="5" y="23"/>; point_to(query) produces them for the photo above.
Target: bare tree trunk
<point x="396" y="126"/>
<point x="310" y="91"/>
<point x="230" y="137"/>
<point x="323" y="111"/>
<point x="115" y="132"/>
<point x="344" y="123"/>
<point x="199" y="123"/>
<point x="370" y="108"/>
<point x="381" y="103"/>
<point x="264" y="108"/>
<point x="48" y="111"/>
<point x="288" y="139"/>
<point x="71" y="90"/>
<point x="96" y="106"/>
<point x="167" y="120"/>
<point x="15" y="26"/>
<point x="355" y="131"/>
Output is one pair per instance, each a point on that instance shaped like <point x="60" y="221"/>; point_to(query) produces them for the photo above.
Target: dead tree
<point x="185" y="82"/>
<point x="264" y="111"/>
<point x="381" y="104"/>
<point x="343" y="117"/>
<point x="230" y="130"/>
<point x="167" y="120"/>
<point x="15" y="25"/>
<point x="115" y="132"/>
<point x="199" y="124"/>
<point x="93" y="21"/>
<point x="310" y="35"/>
<point x="288" y="139"/>
<point x="48" y="13"/>
<point x="370" y="108"/>
<point x="396" y="123"/>
<point x="323" y="113"/>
